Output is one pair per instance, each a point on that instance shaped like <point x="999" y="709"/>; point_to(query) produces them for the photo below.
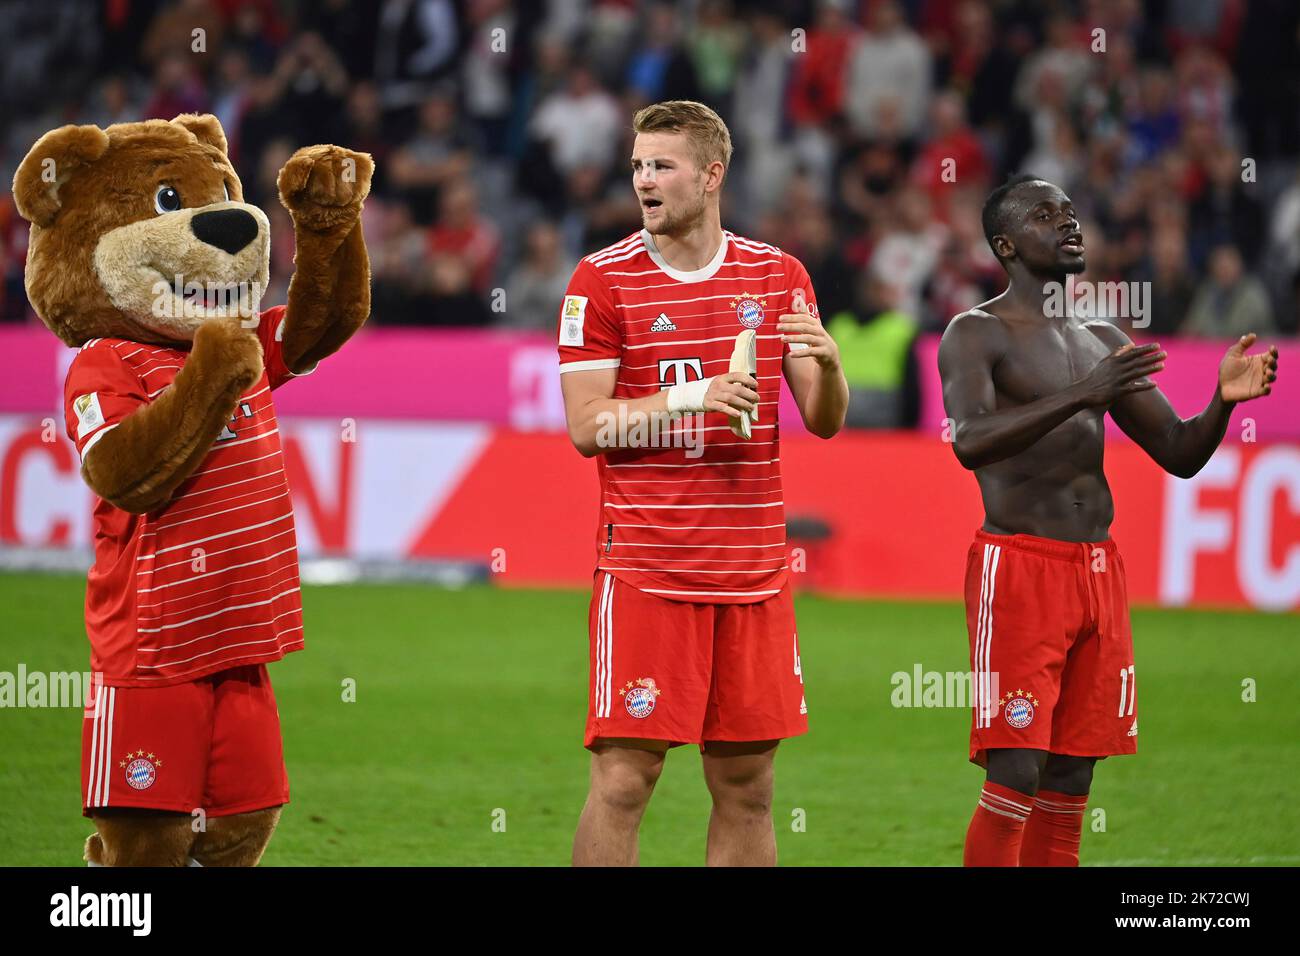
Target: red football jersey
<point x="210" y="580"/>
<point x="703" y="524"/>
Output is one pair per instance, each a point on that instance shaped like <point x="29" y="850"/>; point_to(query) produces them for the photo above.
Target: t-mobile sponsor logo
<point x="679" y="368"/>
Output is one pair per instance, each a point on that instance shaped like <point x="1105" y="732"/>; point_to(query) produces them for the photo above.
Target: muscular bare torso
<point x="1055" y="488"/>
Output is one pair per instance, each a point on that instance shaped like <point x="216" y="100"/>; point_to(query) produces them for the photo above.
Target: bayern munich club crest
<point x="749" y="309"/>
<point x="639" y="697"/>
<point x="141" y="769"/>
<point x="1018" y="708"/>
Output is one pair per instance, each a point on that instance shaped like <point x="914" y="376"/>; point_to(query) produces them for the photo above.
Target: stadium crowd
<point x="866" y="132"/>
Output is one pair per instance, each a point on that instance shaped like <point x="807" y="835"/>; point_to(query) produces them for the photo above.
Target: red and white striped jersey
<point x="210" y="580"/>
<point x="703" y="524"/>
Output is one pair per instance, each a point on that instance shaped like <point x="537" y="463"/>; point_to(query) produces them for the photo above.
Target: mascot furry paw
<point x="144" y="256"/>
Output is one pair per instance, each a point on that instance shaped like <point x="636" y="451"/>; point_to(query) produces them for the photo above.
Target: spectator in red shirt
<point x="817" y="87"/>
<point x="952" y="156"/>
<point x="462" y="233"/>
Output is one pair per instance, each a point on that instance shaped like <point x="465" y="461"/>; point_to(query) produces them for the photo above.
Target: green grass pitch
<point x="470" y="705"/>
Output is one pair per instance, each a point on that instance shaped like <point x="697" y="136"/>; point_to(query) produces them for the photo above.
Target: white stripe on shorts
<point x="100" y="693"/>
<point x="984" y="636"/>
<point x="602" y="646"/>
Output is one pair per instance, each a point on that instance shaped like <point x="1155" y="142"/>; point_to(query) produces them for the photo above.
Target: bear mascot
<point x="144" y="256"/>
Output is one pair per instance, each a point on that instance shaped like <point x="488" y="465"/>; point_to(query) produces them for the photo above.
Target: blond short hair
<point x="709" y="137"/>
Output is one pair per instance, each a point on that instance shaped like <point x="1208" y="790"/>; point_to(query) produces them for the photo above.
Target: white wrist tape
<point x="688" y="397"/>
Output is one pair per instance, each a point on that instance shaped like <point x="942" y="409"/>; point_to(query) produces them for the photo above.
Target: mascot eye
<point x="166" y="199"/>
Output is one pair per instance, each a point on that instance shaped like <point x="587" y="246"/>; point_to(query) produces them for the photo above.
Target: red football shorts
<point x="690" y="673"/>
<point x="1051" y="647"/>
<point x="213" y="744"/>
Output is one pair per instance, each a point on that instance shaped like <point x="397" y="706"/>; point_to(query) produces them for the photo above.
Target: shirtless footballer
<point x="1046" y="606"/>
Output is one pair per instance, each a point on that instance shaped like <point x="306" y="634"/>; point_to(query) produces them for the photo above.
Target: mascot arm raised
<point x="138" y="465"/>
<point x="323" y="187"/>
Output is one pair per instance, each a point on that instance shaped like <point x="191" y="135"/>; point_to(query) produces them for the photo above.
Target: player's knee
<point x="742" y="789"/>
<point x="625" y="786"/>
<point x="140" y="839"/>
<point x="237" y="840"/>
<point x="1072" y="775"/>
<point x="1020" y="770"/>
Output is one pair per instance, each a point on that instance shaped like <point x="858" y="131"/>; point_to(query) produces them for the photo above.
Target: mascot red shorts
<point x="211" y="744"/>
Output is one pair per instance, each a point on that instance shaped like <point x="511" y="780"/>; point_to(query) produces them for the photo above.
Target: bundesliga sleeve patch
<point x="572" y="316"/>
<point x="89" y="415"/>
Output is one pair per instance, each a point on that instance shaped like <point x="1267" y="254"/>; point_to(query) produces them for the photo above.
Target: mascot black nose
<point x="228" y="229"/>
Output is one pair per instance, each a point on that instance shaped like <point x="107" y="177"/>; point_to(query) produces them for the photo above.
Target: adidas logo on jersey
<point x="1133" y="731"/>
<point x="663" y="324"/>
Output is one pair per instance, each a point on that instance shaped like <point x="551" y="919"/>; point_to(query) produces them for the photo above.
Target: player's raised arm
<point x="1182" y="446"/>
<point x="982" y="434"/>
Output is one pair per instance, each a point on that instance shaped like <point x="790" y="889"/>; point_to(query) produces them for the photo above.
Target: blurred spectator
<point x="819" y="84"/>
<point x="579" y="124"/>
<point x="1205" y="89"/>
<point x="714" y="45"/>
<point x="351" y="29"/>
<point x="1229" y="303"/>
<point x="536" y="285"/>
<point x="306" y="90"/>
<point x="979" y="64"/>
<point x="416" y="45"/>
<point x="890" y="63"/>
<point x="485" y="71"/>
<point x="875" y="339"/>
<point x="599" y="210"/>
<point x="1063" y="56"/>
<point x="757" y="130"/>
<point x="660" y="68"/>
<point x="436" y="154"/>
<point x="462" y="234"/>
<point x="363" y="129"/>
<point x="1172" y="285"/>
<point x="183" y="28"/>
<point x="812" y="241"/>
<point x="966" y="272"/>
<point x="869" y="178"/>
<point x="1153" y="126"/>
<point x="1283" y="260"/>
<point x="113" y="101"/>
<point x="909" y="251"/>
<point x="953" y="155"/>
<point x="1225" y="211"/>
<point x="177" y="88"/>
<point x="233" y="97"/>
<point x="261" y="189"/>
<point x="13" y="255"/>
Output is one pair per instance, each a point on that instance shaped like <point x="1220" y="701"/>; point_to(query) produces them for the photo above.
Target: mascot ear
<point x="205" y="127"/>
<point x="52" y="162"/>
